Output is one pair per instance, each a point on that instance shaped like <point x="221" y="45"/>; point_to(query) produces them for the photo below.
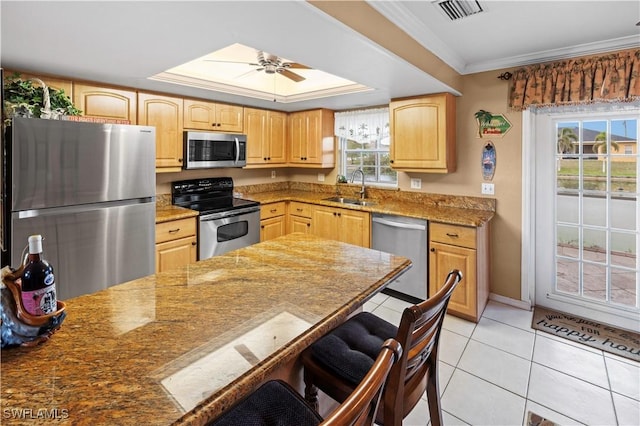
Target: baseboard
<point x="521" y="304"/>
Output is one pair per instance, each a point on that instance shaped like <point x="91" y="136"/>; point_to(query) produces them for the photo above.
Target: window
<point x="363" y="137"/>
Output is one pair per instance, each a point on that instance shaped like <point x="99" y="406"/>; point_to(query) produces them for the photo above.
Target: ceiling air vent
<point x="458" y="9"/>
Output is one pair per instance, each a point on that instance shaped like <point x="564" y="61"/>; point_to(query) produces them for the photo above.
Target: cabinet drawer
<point x="272" y="210"/>
<point x="462" y="236"/>
<point x="175" y="229"/>
<point x="300" y="209"/>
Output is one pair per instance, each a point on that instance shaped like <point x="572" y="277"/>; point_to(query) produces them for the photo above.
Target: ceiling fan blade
<point x="233" y="62"/>
<point x="291" y="75"/>
<point x="295" y="65"/>
<point x="247" y="73"/>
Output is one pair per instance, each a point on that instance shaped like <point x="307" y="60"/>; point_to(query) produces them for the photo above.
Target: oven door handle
<point x="229" y="213"/>
<point x="237" y="150"/>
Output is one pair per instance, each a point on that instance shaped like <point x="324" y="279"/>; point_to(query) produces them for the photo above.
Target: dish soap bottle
<point x="38" y="281"/>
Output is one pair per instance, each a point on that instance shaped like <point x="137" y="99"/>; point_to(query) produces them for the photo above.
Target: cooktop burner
<point x="209" y="195"/>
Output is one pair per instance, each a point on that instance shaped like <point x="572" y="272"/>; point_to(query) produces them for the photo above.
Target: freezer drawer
<point x="90" y="247"/>
<point x="407" y="237"/>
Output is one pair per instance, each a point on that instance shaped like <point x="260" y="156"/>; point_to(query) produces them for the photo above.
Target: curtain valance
<point x="613" y="77"/>
<point x="363" y="126"/>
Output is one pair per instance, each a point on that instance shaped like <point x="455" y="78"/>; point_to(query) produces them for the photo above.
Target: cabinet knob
<point x="194" y="243"/>
<point x="269" y="158"/>
<point x="391" y="161"/>
<point x="432" y="250"/>
<point x="308" y="224"/>
<point x="273" y="210"/>
<point x="179" y="160"/>
<point x="452" y="235"/>
<point x="262" y="226"/>
<point x="173" y="231"/>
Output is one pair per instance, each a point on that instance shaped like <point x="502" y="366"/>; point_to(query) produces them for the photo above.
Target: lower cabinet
<point x="272" y="220"/>
<point x="176" y="244"/>
<point x="346" y="225"/>
<point x="299" y="217"/>
<point x="466" y="249"/>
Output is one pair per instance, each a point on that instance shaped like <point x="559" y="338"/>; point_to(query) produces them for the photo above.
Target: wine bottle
<point x="38" y="281"/>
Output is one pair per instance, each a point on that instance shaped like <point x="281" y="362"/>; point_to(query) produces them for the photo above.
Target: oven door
<point x="222" y="232"/>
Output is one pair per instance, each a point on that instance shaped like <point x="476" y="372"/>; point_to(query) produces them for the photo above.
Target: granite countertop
<point x="166" y="213"/>
<point x="456" y="210"/>
<point x="181" y="346"/>
<point x="437" y="212"/>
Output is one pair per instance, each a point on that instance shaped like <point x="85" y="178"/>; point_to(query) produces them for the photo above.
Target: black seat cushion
<point x="351" y="348"/>
<point x="274" y="403"/>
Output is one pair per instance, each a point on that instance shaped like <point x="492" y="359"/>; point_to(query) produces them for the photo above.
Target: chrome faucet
<point x="353" y="175"/>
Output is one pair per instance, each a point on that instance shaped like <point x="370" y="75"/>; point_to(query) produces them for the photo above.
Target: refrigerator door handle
<point x="81" y="208"/>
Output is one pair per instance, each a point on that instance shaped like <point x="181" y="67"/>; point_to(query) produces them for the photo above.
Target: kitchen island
<point x="182" y="346"/>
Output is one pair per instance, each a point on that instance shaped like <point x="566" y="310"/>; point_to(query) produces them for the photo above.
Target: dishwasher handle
<point x="395" y="224"/>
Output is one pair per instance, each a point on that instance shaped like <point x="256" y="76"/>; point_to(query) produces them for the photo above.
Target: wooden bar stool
<point x="277" y="403"/>
<point x="337" y="362"/>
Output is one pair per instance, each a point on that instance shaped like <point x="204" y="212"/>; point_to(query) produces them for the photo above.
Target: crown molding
<point x="199" y="83"/>
<point x="586" y="49"/>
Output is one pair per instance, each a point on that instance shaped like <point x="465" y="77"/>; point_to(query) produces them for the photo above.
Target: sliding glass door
<point x="587" y="215"/>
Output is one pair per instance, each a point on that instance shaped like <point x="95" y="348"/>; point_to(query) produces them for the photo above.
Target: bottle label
<point x="41" y="301"/>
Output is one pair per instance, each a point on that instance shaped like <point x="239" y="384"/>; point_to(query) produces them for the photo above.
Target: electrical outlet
<point x="488" y="188"/>
<point x="273" y="174"/>
<point x="320" y="177"/>
<point x="416" y="183"/>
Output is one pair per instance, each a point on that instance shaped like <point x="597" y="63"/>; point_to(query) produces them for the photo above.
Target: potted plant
<point x="23" y="98"/>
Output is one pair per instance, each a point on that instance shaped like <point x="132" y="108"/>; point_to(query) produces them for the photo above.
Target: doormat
<point x="591" y="333"/>
<point x="535" y="420"/>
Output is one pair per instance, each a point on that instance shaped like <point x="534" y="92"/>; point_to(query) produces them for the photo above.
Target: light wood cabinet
<point x="166" y="114"/>
<point x="311" y="140"/>
<point x="203" y="115"/>
<point x="106" y="102"/>
<point x="466" y="249"/>
<point x="266" y="137"/>
<point x="346" y="225"/>
<point x="423" y="134"/>
<point x="176" y="244"/>
<point x="299" y="217"/>
<point x="272" y="220"/>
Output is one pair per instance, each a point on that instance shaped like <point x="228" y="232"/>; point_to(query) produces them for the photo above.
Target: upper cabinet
<point x="166" y="114"/>
<point x="311" y="140"/>
<point x="423" y="133"/>
<point x="266" y="137"/>
<point x="203" y="115"/>
<point x="105" y="102"/>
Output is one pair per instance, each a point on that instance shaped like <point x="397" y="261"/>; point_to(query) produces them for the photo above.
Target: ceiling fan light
<point x="458" y="9"/>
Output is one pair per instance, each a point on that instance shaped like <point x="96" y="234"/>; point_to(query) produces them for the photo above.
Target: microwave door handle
<point x="237" y="150"/>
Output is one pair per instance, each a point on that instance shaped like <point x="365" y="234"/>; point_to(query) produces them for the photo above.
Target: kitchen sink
<point x="352" y="201"/>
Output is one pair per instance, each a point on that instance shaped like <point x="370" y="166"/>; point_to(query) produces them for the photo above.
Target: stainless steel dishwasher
<point x="407" y="237"/>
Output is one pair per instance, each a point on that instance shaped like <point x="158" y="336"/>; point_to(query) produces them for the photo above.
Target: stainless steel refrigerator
<point x="89" y="190"/>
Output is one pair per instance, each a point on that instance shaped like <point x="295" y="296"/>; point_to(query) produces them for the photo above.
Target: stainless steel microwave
<point x="207" y="150"/>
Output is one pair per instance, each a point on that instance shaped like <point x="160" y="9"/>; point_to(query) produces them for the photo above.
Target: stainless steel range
<point x="225" y="223"/>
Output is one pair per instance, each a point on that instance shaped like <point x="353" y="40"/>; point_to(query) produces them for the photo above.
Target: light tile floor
<point x="495" y="371"/>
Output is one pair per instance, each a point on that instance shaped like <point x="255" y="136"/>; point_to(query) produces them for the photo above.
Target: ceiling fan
<point x="271" y="64"/>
